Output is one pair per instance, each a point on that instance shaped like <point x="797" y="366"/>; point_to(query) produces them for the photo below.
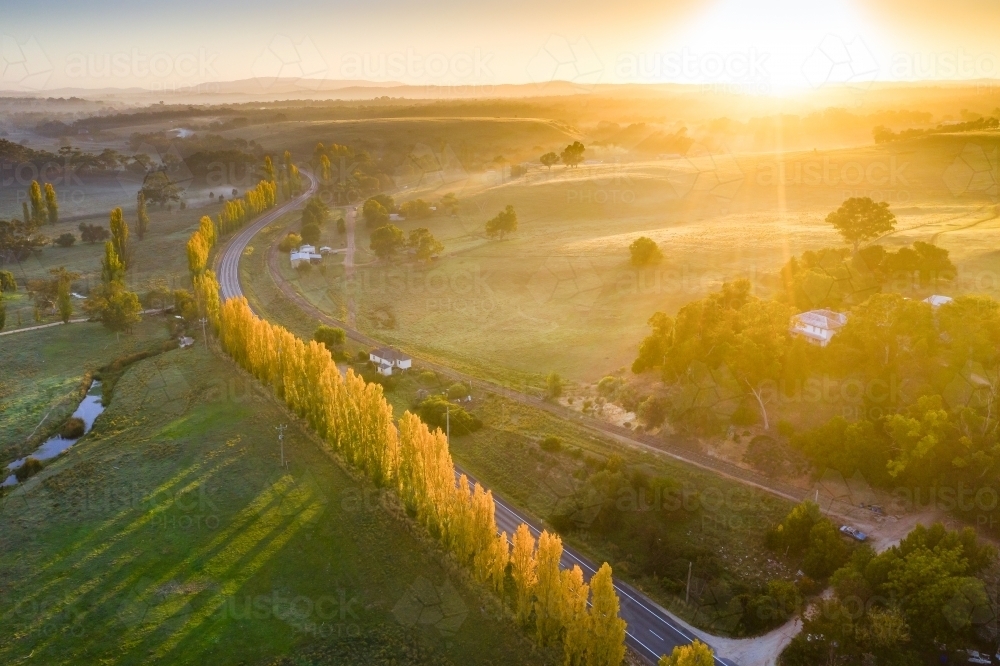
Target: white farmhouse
<point x="306" y="253"/>
<point x="386" y="358"/>
<point x="818" y="326"/>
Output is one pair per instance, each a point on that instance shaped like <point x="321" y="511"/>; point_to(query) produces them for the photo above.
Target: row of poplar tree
<point x="355" y="419"/>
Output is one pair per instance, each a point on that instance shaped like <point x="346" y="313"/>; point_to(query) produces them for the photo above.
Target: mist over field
<point x="585" y="334"/>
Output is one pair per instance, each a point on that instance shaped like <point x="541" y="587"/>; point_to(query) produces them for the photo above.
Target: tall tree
<point x="142" y="216"/>
<point x="548" y="590"/>
<point x="523" y="571"/>
<point x="38" y="214"/>
<point x="859" y="220"/>
<point x="607" y="630"/>
<point x="112" y="268"/>
<point x="119" y="237"/>
<point x="574" y="615"/>
<point x="51" y="203"/>
<point x="64" y="301"/>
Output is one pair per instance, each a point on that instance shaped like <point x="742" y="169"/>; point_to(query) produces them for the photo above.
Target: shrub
<point x="330" y="336"/>
<point x="608" y="386"/>
<point x="552" y="444"/>
<point x="7" y="281"/>
<point x="457" y="390"/>
<point x="652" y="410"/>
<point x="428" y="377"/>
<point x="290" y="242"/>
<point x="31" y="467"/>
<point x="437" y="412"/>
<point x="65" y="240"/>
<point x="73" y="428"/>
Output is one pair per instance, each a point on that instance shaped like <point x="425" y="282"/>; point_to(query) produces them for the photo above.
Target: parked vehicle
<point x="978" y="657"/>
<point x="853" y="533"/>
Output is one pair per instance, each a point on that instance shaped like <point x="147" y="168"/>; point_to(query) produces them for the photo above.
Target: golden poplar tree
<point x="573" y="609"/>
<point x="607" y="631"/>
<point x="523" y="571"/>
<point x="548" y="592"/>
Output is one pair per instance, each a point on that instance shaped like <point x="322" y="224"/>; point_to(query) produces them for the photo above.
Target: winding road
<point x="651" y="630"/>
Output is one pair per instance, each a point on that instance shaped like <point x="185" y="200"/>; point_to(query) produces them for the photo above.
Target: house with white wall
<point x="386" y="359"/>
<point x="818" y="326"/>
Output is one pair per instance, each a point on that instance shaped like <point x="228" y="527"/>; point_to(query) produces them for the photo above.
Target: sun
<point x="774" y="46"/>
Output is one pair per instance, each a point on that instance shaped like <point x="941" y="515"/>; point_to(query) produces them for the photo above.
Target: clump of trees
<point x="808" y="536"/>
<point x="572" y="155"/>
<point x="731" y="331"/>
<point x="892" y="607"/>
<point x="346" y="174"/>
<point x="159" y="190"/>
<point x="415" y="209"/>
<point x="437" y="411"/>
<point x="93" y="233"/>
<point x="836" y="277"/>
<point x="314" y="216"/>
<point x="376" y="210"/>
<point x="386" y="241"/>
<point x="424" y="245"/>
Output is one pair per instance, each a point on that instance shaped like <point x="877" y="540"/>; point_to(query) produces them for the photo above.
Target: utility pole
<point x="281" y="442"/>
<point x="447" y="423"/>
<point x="687" y="594"/>
<point x="203" y="334"/>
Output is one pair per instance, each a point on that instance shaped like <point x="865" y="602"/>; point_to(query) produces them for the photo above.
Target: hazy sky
<point x="760" y="46"/>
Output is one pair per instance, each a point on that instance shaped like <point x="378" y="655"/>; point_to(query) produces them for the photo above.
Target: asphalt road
<point x="228" y="262"/>
<point x="651" y="631"/>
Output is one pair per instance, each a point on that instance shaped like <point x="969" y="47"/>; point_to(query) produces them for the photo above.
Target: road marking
<point x="656" y="634"/>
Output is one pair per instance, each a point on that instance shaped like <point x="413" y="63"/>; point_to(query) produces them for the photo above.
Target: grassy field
<point x="651" y="542"/>
<point x="159" y="259"/>
<point x="560" y="295"/>
<point x="42" y="373"/>
<point x="171" y="534"/>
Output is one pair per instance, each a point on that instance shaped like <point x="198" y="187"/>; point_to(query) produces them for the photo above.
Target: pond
<point x="88" y="411"/>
